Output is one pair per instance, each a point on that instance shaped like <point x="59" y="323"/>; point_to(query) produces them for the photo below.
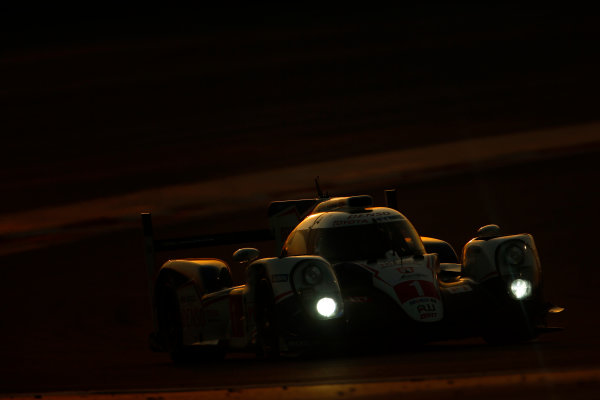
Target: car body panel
<point x="379" y="279"/>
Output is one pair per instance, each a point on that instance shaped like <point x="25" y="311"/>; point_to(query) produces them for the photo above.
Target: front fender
<point x="285" y="276"/>
<point x="486" y="259"/>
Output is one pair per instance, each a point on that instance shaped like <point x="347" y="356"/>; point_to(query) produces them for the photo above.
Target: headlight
<point x="312" y="274"/>
<point x="326" y="306"/>
<point x="515" y="254"/>
<point x="520" y="289"/>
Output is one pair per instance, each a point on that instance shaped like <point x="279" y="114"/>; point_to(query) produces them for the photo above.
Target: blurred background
<point x="102" y="100"/>
<point x="109" y="111"/>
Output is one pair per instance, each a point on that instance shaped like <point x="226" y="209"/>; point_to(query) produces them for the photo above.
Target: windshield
<point x="366" y="242"/>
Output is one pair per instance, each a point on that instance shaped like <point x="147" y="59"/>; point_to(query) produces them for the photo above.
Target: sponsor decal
<point x="428" y="315"/>
<point x="279" y="278"/>
<point x="189" y="308"/>
<point x="391" y="263"/>
<point x="282" y="296"/>
<point x="187" y="294"/>
<point x="459" y="289"/>
<point x="351" y="222"/>
<point x="191" y="317"/>
<point x="358" y="219"/>
<point x="358" y="299"/>
<point x="426" y="308"/>
<point x="293" y="342"/>
<point x="415" y="276"/>
<point x="419" y="300"/>
<point x="371" y="215"/>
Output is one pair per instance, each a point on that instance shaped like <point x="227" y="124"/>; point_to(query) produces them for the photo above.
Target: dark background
<point x="101" y="101"/>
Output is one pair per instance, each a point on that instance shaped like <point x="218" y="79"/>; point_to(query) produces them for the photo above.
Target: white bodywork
<point x="411" y="283"/>
<point x="409" y="278"/>
<point x="228" y="314"/>
<point x="482" y="259"/>
<point x="217" y="316"/>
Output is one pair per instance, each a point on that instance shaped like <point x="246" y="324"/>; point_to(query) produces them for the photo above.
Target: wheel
<point x="511" y="331"/>
<point x="267" y="332"/>
<point x="508" y="337"/>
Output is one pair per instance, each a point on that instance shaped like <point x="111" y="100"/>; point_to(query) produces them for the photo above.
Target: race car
<point x="345" y="272"/>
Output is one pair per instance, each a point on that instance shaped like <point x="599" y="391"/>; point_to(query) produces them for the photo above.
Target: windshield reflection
<point x="366" y="242"/>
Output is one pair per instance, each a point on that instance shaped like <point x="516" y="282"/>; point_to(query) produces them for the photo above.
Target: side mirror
<point x="246" y="254"/>
<point x="488" y="232"/>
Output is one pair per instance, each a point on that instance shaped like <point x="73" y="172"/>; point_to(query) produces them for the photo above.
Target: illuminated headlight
<point x="326" y="306"/>
<point x="515" y="255"/>
<point x="312" y="274"/>
<point x="520" y="289"/>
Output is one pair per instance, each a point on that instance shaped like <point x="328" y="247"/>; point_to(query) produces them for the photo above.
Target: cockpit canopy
<point x="371" y="234"/>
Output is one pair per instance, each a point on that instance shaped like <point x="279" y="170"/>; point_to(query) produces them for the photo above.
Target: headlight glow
<point x="312" y="274"/>
<point x="520" y="289"/>
<point x="326" y="306"/>
<point x="514" y="255"/>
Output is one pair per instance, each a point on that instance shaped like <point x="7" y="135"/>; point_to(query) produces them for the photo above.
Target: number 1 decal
<point x="418" y="287"/>
<point x="408" y="290"/>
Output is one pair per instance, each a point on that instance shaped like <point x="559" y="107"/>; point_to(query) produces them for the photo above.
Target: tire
<point x="267" y="330"/>
<point x="511" y="331"/>
<point x="508" y="337"/>
<point x="509" y="321"/>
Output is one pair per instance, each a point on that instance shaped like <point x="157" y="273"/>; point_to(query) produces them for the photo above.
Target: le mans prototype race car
<point x="347" y="272"/>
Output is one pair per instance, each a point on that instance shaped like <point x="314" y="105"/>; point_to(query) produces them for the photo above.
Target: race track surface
<point x="111" y="118"/>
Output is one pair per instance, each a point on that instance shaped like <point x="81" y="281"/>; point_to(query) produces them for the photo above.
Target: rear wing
<point x="152" y="246"/>
<point x="283" y="218"/>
